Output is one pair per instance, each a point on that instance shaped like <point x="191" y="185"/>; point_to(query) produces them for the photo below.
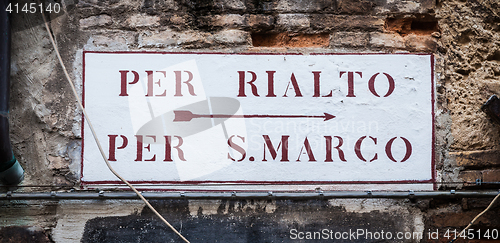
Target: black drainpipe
<point x="11" y="172"/>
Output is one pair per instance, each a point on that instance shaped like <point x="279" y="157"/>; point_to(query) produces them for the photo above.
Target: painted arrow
<point x="185" y="116"/>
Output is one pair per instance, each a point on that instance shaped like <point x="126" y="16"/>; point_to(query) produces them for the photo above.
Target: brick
<point x="491" y="175"/>
<point x="477" y="159"/>
<point x="152" y="6"/>
<point x="460" y="219"/>
<point x="444" y="239"/>
<point x="304" y="6"/>
<point x="426" y="5"/>
<point x="469" y="176"/>
<point x="290" y="40"/>
<point x="232" y="37"/>
<point x="386" y="40"/>
<point x="227" y="21"/>
<point x="349" y="39"/>
<point x="193" y="39"/>
<point x="174" y="38"/>
<point x="259" y="22"/>
<point x="293" y="22"/>
<point x="404" y="7"/>
<point x="481" y="203"/>
<point x="62" y="181"/>
<point x="355" y="6"/>
<point x="93" y="21"/>
<point x="143" y="20"/>
<point x="423" y="25"/>
<point x="421" y="43"/>
<point x="328" y="22"/>
<point x="412" y="6"/>
<point x="484" y="241"/>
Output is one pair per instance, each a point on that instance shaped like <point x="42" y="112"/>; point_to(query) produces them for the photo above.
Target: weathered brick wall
<point x="464" y="36"/>
<point x="470" y="75"/>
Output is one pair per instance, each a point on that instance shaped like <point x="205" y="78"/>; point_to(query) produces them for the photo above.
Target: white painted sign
<point x="340" y="121"/>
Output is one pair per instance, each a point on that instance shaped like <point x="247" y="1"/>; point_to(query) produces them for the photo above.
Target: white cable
<point x="97" y="140"/>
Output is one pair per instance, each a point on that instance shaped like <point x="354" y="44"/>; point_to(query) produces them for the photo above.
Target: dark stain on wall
<point x="233" y="223"/>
